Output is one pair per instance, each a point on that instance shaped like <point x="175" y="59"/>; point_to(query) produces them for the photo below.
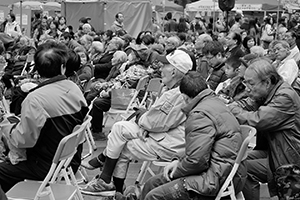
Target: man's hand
<point x="170" y="169"/>
<point x="143" y="134"/>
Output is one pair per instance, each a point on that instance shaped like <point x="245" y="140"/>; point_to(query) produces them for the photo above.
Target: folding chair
<point x="153" y="91"/>
<point x="141" y="86"/>
<point x="29" y="60"/>
<point x="49" y="188"/>
<point x="227" y="188"/>
<point x="81" y="175"/>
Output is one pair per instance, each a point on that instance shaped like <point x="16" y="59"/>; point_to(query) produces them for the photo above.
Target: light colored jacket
<point x="165" y="123"/>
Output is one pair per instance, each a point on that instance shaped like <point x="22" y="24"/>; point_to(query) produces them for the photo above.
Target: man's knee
<point x="102" y="104"/>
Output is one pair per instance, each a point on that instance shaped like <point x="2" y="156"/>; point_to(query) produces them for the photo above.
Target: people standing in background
<point x="12" y="27"/>
<point x="118" y="23"/>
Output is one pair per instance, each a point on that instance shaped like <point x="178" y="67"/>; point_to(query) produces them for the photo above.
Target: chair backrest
<point x="228" y="188"/>
<point x="82" y="129"/>
<point x="142" y="83"/>
<point x="68" y="145"/>
<point x="249" y="132"/>
<point x="141" y="86"/>
<point x="29" y="60"/>
<point x="153" y="90"/>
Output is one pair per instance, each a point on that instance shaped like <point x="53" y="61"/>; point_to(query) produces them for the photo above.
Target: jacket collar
<point x="118" y="24"/>
<point x="202" y="95"/>
<point x="49" y="81"/>
<point x="272" y="92"/>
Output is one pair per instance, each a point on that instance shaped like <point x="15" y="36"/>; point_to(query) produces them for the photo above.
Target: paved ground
<point x="134" y="169"/>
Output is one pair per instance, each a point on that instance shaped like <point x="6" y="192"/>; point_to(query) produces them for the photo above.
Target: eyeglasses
<point x="210" y="57"/>
<point x="251" y="85"/>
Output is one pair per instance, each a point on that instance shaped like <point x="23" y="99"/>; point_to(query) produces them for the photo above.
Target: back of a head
<point x="72" y="64"/>
<point x="121" y="56"/>
<point x="168" y="16"/>
<point x="119" y="42"/>
<point x="66" y="35"/>
<point x="213" y="48"/>
<point x="98" y="46"/>
<point x="204" y="38"/>
<point x="148" y="39"/>
<point x="87" y="38"/>
<point x="234" y="62"/>
<point x="192" y="84"/>
<point x="49" y="59"/>
<point x="264" y="69"/>
<point x="174" y="40"/>
<point x="257" y="50"/>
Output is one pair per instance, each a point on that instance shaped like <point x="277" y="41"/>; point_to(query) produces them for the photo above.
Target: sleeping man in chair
<point x="157" y="135"/>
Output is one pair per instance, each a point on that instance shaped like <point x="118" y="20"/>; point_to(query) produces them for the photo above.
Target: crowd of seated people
<point x="214" y="79"/>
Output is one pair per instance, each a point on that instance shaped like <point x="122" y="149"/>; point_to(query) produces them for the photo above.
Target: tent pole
<point x="214" y="16"/>
<point x="164" y="10"/>
<point x="21" y="15"/>
<point x="279" y="1"/>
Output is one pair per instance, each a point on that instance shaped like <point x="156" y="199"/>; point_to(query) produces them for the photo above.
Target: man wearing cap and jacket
<point x="157" y="135"/>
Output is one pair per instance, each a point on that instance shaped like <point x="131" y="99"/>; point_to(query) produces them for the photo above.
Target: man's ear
<point x="62" y="69"/>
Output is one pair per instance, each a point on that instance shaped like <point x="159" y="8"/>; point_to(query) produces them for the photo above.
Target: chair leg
<point x="91" y="140"/>
<point x="142" y="172"/>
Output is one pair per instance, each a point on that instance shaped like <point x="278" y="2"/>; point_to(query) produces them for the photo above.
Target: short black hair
<point x="148" y="39"/>
<point x="182" y="36"/>
<point x="72" y="64"/>
<point x="49" y="58"/>
<point x="192" y="84"/>
<point x="237" y="37"/>
<point x="213" y="48"/>
<point x="66" y="35"/>
<point x="12" y="16"/>
<point x="233" y="62"/>
<point x="246" y="39"/>
<point x="117" y="15"/>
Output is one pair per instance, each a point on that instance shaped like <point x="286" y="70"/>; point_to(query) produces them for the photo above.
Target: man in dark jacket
<point x="50" y="113"/>
<point x="274" y="110"/>
<point x="214" y="53"/>
<point x="210" y="131"/>
<point x="233" y="42"/>
<point x="103" y="65"/>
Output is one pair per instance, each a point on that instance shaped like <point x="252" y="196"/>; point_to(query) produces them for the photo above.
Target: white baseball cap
<point x="179" y="59"/>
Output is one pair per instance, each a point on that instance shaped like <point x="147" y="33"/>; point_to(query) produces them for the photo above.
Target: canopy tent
<point x="245" y="5"/>
<point x="137" y="14"/>
<point x="37" y="5"/>
<point x="7" y="2"/>
<point x="169" y="6"/>
<point x="202" y="5"/>
<point x="292" y="6"/>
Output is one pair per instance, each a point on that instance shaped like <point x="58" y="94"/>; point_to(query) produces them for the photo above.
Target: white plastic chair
<point x="227" y="188"/>
<point x="49" y="188"/>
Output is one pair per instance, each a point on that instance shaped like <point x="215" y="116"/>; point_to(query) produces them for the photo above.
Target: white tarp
<point x="245" y="5"/>
<point x="137" y="14"/>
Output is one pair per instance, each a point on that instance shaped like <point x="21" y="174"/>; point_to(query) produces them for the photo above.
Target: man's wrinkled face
<point x="280" y="52"/>
<point x="167" y="71"/>
<point x="256" y="88"/>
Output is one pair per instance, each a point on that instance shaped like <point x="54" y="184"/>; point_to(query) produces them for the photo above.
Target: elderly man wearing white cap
<point x="157" y="134"/>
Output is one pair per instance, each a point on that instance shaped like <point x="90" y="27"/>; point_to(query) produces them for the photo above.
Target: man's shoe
<point x="99" y="136"/>
<point x="99" y="188"/>
<point x="93" y="164"/>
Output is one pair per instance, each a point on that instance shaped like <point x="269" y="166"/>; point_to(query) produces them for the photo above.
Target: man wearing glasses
<point x="274" y="110"/>
<point x="215" y="56"/>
